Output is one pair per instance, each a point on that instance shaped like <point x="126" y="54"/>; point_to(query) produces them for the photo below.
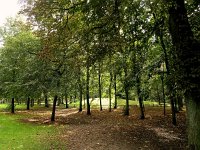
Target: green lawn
<point x="120" y="103"/>
<point x="25" y="136"/>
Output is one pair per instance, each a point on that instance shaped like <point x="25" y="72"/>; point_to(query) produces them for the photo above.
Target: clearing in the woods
<point x="105" y="130"/>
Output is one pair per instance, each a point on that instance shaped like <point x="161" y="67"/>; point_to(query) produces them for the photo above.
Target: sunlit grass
<point x="17" y="135"/>
<point x="3" y="106"/>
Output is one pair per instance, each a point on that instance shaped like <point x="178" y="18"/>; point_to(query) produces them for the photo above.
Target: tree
<point x="16" y="60"/>
<point x="188" y="61"/>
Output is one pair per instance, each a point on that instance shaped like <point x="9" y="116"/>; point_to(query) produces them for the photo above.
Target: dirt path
<point x="113" y="131"/>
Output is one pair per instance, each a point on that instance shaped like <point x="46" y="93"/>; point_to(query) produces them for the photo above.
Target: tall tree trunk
<point x="62" y="99"/>
<point x="173" y="108"/>
<point x="54" y="108"/>
<point x="188" y="61"/>
<point x="140" y="97"/>
<point x="81" y="99"/>
<point x="84" y="100"/>
<point x="126" y="112"/>
<point x="66" y="101"/>
<point x="70" y="99"/>
<point x="39" y="101"/>
<point x="80" y="93"/>
<point x="180" y="102"/>
<point x="32" y="102"/>
<point x="99" y="77"/>
<point x="59" y="101"/>
<point x="28" y="104"/>
<point x="170" y="85"/>
<point x="13" y="106"/>
<point x="158" y="95"/>
<point x="87" y="88"/>
<point x="163" y="94"/>
<point x="110" y="85"/>
<point x="115" y="88"/>
<point x="193" y="116"/>
<point x="46" y="100"/>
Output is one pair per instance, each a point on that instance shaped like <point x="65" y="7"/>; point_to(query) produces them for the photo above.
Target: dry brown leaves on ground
<point x="103" y="130"/>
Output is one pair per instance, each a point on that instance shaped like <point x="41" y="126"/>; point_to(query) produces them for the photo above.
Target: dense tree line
<point x="133" y="49"/>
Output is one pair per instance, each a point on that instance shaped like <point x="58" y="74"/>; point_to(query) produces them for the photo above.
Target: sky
<point x="8" y="8"/>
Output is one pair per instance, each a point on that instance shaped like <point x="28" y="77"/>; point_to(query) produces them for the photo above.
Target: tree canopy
<point x="131" y="49"/>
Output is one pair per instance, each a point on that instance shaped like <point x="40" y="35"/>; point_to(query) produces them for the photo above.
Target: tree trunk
<point x="39" y="101"/>
<point x="193" y="116"/>
<point x="99" y="75"/>
<point x="28" y="104"/>
<point x="180" y="102"/>
<point x="46" y="101"/>
<point x="163" y="94"/>
<point x="81" y="100"/>
<point x="115" y="88"/>
<point x="54" y="108"/>
<point x="59" y="101"/>
<point x="169" y="86"/>
<point x="188" y="61"/>
<point x="75" y="98"/>
<point x="87" y="88"/>
<point x="158" y="95"/>
<point x="62" y="99"/>
<point x="173" y="108"/>
<point x="70" y="99"/>
<point x="126" y="111"/>
<point x="80" y="94"/>
<point x="32" y="102"/>
<point x="84" y="101"/>
<point x="140" y="98"/>
<point x="13" y="106"/>
<point x="66" y="101"/>
<point x="110" y="85"/>
<point x="110" y="93"/>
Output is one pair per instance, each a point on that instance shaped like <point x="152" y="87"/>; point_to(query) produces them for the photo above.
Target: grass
<point x="120" y="102"/>
<point x="94" y="104"/>
<point x="17" y="135"/>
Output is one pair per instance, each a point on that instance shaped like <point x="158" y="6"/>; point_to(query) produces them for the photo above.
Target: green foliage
<point x="124" y="36"/>
<point x="17" y="62"/>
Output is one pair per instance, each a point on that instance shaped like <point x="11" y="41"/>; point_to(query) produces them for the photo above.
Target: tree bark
<point x="170" y="84"/>
<point x="173" y="108"/>
<point x="54" y="108"/>
<point x="28" y="104"/>
<point x="87" y="88"/>
<point x="140" y="97"/>
<point x="80" y="94"/>
<point x="99" y="76"/>
<point x="66" y="101"/>
<point x="180" y="102"/>
<point x="163" y="94"/>
<point x="110" y="85"/>
<point x="193" y="116"/>
<point x="126" y="111"/>
<point x="59" y="101"/>
<point x="46" y="101"/>
<point x="13" y="106"/>
<point x="188" y="61"/>
<point x="32" y="102"/>
<point x="115" y="88"/>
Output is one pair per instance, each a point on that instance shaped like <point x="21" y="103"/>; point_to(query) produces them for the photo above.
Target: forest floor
<point x="105" y="130"/>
